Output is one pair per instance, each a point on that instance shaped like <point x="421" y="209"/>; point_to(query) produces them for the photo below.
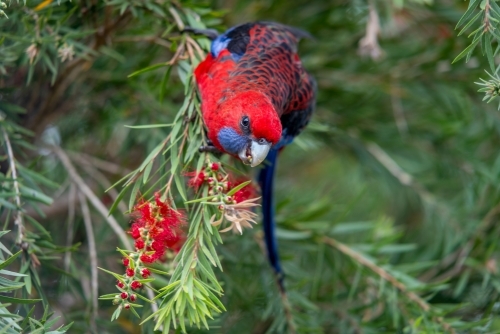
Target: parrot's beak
<point x="254" y="153"/>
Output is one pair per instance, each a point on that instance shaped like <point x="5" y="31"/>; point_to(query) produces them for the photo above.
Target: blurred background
<point x="387" y="204"/>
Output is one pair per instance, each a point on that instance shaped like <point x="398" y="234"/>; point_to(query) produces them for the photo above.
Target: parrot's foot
<point x="210" y="33"/>
<point x="210" y="148"/>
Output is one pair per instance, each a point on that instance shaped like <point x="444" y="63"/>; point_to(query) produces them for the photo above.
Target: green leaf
<point x="472" y="6"/>
<point x="149" y="126"/>
<point x="9" y="260"/>
<point x="163" y="83"/>
<point x="148" y="69"/>
<point x="147" y="171"/>
<point x="18" y="300"/>
<point x="467" y="50"/>
<point x="239" y="187"/>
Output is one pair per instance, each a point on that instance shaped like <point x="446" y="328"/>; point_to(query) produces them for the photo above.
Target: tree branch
<point x="96" y="203"/>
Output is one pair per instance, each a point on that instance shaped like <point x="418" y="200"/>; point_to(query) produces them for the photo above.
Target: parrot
<point x="255" y="99"/>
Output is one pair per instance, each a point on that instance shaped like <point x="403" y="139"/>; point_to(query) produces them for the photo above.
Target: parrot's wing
<point x="299" y="110"/>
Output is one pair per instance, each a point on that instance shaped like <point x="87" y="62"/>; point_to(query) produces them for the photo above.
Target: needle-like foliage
<point x="387" y="205"/>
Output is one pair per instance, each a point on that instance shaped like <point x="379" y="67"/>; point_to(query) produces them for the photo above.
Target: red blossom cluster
<point x="220" y="182"/>
<point x="156" y="229"/>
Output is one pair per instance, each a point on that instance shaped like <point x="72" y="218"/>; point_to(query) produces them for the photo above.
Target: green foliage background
<point x="387" y="205"/>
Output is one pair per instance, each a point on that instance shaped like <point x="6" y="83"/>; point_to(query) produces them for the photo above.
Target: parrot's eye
<point x="245" y="122"/>
<point x="262" y="141"/>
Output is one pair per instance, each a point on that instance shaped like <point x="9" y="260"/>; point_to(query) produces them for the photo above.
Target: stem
<point x="19" y="217"/>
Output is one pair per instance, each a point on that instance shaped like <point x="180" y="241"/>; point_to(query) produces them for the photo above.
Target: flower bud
<point x="126" y="261"/>
<point x="133" y="298"/>
<point x="126" y="306"/>
<point x="135" y="285"/>
<point x="145" y="273"/>
<point x="124" y="295"/>
<point x="116" y="301"/>
<point x="130" y="272"/>
<point x="120" y="284"/>
<point x="215" y="166"/>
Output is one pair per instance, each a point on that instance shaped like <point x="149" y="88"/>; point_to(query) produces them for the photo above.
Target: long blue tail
<point x="266" y="181"/>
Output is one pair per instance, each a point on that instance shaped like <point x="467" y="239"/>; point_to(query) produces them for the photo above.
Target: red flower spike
<point x="130" y="272"/>
<point x="215" y="166"/>
<point x="126" y="261"/>
<point x="145" y="273"/>
<point x="126" y="306"/>
<point x="133" y="298"/>
<point x="135" y="285"/>
<point x="120" y="284"/>
<point x="124" y="295"/>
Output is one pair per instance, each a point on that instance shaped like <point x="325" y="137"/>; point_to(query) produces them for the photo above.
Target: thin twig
<point x="19" y="214"/>
<point x="103" y="165"/>
<point x="200" y="52"/>
<point x="176" y="17"/>
<point x="386" y="276"/>
<point x="378" y="270"/>
<point x="93" y="259"/>
<point x="96" y="203"/>
<point x="368" y="45"/>
<point x="105" y="183"/>
<point x="150" y="39"/>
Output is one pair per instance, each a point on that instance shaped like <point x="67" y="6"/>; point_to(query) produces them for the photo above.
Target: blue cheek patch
<point x="231" y="141"/>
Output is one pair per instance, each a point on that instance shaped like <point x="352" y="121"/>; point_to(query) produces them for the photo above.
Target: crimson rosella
<point x="256" y="97"/>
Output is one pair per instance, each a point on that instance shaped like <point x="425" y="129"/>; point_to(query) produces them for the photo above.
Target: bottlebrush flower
<point x="156" y="228"/>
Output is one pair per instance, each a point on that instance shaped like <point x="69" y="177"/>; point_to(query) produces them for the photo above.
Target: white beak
<point x="254" y="153"/>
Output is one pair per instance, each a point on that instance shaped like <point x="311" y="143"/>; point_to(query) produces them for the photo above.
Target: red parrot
<point x="256" y="97"/>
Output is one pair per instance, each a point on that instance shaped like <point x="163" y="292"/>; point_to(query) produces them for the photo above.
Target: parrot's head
<point x="246" y="126"/>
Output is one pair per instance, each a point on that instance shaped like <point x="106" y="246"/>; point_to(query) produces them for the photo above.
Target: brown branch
<point x="48" y="110"/>
<point x="96" y="203"/>
<point x="368" y="45"/>
<point x="101" y="164"/>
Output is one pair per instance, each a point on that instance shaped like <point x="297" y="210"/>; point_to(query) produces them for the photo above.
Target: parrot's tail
<point x="266" y="181"/>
